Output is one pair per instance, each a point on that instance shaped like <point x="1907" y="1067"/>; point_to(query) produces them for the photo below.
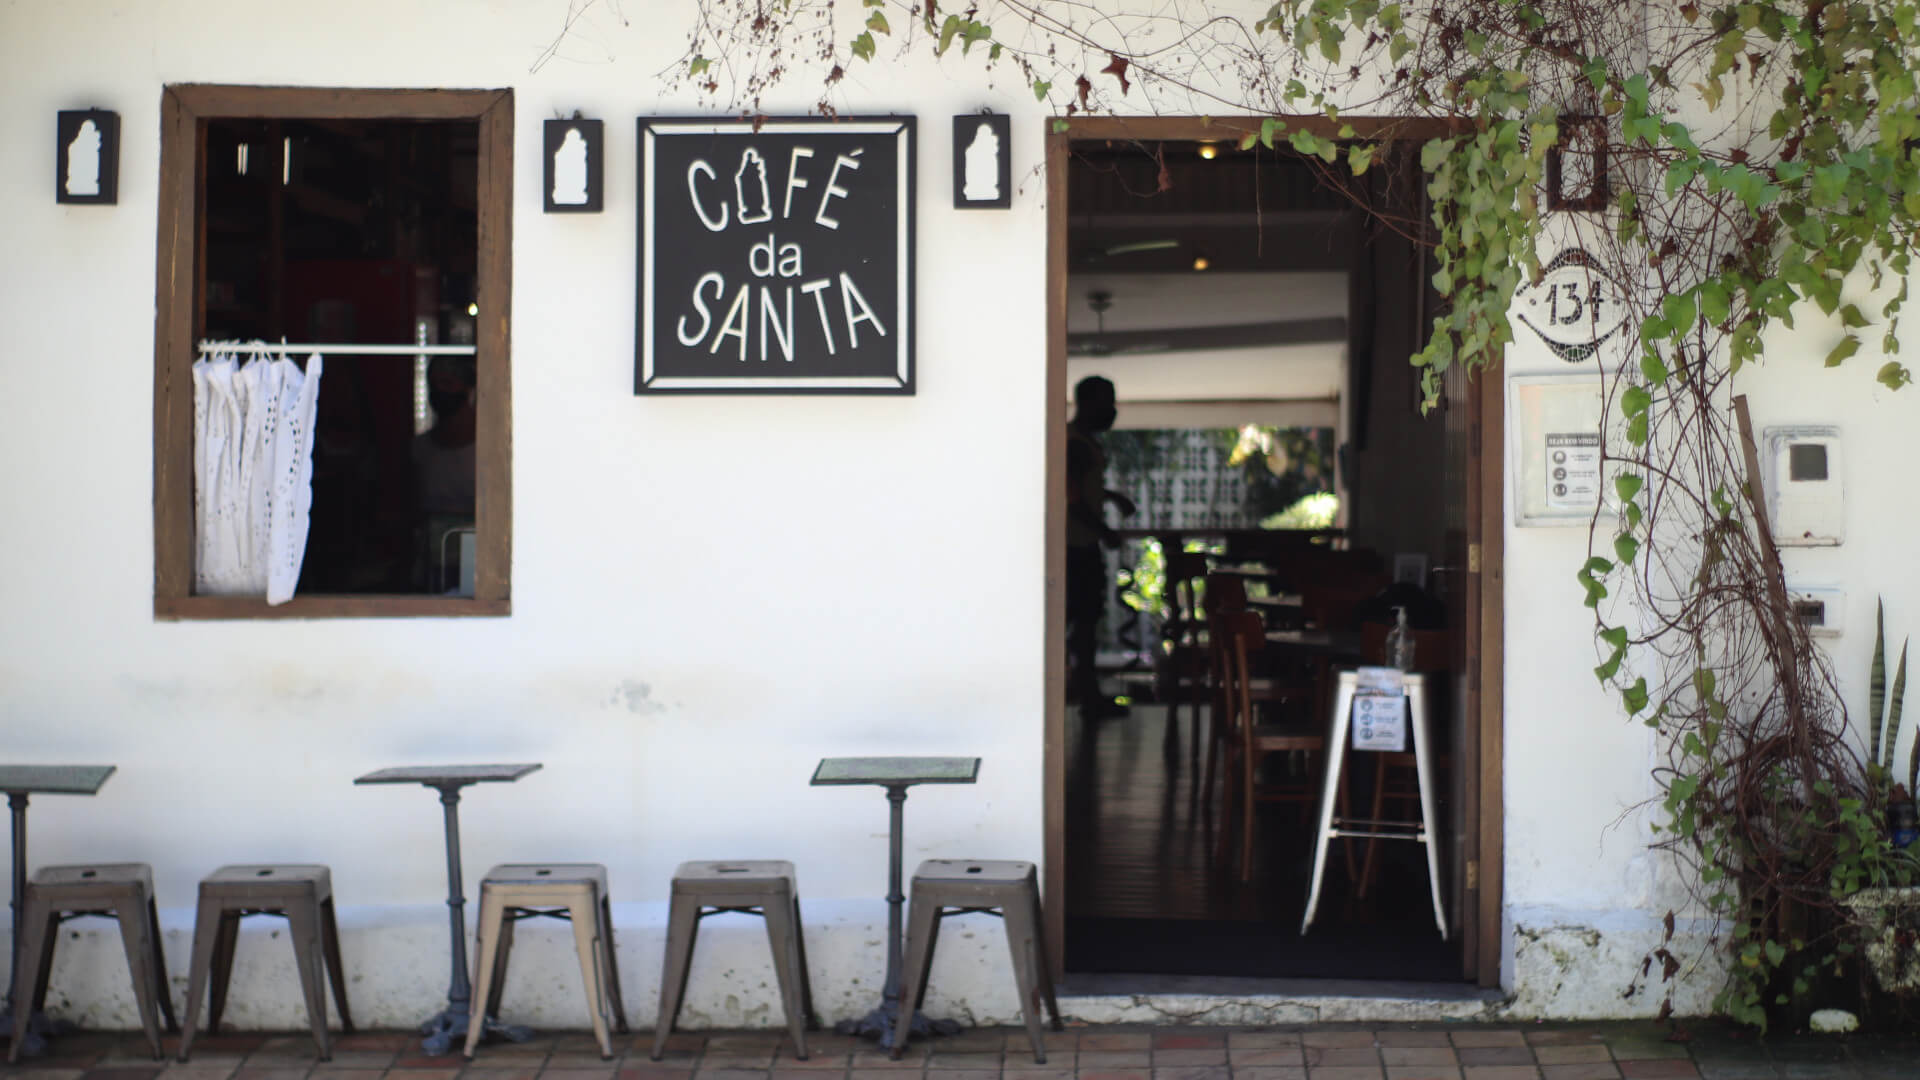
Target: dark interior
<point x="356" y="232"/>
<point x="1151" y="887"/>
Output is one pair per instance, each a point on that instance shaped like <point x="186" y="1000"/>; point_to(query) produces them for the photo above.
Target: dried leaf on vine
<point x="1117" y="67"/>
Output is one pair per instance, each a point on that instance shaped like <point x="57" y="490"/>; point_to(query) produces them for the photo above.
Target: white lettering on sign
<point x="793" y="179"/>
<point x="735" y="313"/>
<point x="752" y="203"/>
<point x="776" y="331"/>
<point x="813" y="288"/>
<point x="693" y="195"/>
<point x="850" y="296"/>
<point x="840" y="161"/>
<point x="700" y="305"/>
<point x="788" y="264"/>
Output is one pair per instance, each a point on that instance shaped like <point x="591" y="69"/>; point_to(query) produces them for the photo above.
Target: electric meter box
<point x="1821" y="608"/>
<point x="1806" y="499"/>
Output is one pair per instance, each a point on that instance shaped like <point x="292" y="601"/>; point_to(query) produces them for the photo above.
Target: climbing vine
<point x="1754" y="170"/>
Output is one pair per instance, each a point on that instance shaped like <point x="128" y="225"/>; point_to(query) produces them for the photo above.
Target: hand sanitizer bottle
<point x="1400" y="641"/>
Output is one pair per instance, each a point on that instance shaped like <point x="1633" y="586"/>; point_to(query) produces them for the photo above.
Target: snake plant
<point x="1880" y="749"/>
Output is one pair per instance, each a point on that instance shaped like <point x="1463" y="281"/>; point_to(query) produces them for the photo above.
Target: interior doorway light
<point x="1209" y="151"/>
<point x="240" y="160"/>
<point x="473" y="309"/>
<point x="1200" y="262"/>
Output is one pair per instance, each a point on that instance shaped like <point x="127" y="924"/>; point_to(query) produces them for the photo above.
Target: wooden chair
<point x="1226" y="594"/>
<point x="1393" y="773"/>
<point x="1236" y="638"/>
<point x="1183" y="649"/>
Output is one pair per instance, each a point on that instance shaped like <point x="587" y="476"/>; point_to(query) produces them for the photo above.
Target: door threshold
<point x="1228" y="1000"/>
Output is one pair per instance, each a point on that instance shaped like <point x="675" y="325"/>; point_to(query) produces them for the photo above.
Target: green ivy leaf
<point x="698" y="65"/>
<point x="1040" y="88"/>
<point x="1847" y="347"/>
<point x="1635" y="698"/>
<point x="1635" y="400"/>
<point x="863" y="45"/>
<point x="1894" y="375"/>
<point x="1627" y="485"/>
<point x="1626" y="547"/>
<point x="877" y="22"/>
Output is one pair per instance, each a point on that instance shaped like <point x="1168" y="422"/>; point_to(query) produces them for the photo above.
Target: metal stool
<point x="763" y="887"/>
<point x="1414" y="687"/>
<point x="59" y="893"/>
<point x="576" y="892"/>
<point x="303" y="895"/>
<point x="1004" y="888"/>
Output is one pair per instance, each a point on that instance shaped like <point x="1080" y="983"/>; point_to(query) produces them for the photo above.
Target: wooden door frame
<point x="1485" y="511"/>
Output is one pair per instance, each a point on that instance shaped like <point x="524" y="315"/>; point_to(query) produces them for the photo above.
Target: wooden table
<point x="1336" y="644"/>
<point x="449" y="1025"/>
<point x="896" y="774"/>
<point x="20" y="781"/>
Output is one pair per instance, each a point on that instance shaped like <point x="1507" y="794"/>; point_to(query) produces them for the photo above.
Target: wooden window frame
<point x="178" y="325"/>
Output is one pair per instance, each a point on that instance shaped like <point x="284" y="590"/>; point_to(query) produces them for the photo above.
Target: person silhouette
<point x="1087" y="532"/>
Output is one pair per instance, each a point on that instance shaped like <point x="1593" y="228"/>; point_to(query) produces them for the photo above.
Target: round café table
<point x="896" y="774"/>
<point x="449" y="1025"/>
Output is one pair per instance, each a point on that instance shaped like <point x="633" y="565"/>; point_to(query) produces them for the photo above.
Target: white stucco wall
<point x="709" y="594"/>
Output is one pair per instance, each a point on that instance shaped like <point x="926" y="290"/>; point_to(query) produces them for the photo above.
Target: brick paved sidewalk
<point x="1377" y="1052"/>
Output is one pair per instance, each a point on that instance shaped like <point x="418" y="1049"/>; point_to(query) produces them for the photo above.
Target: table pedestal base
<point x="448" y="1029"/>
<point x="878" y="1025"/>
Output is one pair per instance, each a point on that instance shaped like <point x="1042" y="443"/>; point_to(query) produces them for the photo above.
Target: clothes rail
<point x="258" y="347"/>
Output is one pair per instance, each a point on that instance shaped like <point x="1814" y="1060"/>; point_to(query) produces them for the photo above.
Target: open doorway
<point x="1255" y="325"/>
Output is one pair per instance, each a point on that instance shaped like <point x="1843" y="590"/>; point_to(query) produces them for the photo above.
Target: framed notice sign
<point x="777" y="257"/>
<point x="1554" y="424"/>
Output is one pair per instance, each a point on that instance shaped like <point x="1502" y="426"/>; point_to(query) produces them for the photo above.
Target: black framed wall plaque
<point x="776" y="257"/>
<point x="573" y="160"/>
<point x="982" y="162"/>
<point x="87" y="157"/>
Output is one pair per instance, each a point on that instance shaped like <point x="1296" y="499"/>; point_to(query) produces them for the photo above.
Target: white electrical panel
<point x="1823" y="609"/>
<point x="1805" y="497"/>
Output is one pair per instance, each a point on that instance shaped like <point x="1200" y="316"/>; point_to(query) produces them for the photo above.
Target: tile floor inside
<point x="1617" y="1051"/>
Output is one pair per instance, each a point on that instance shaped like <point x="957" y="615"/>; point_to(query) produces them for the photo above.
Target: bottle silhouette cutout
<point x="983" y="166"/>
<point x="570" y="170"/>
<point x="750" y="189"/>
<point x="83" y="161"/>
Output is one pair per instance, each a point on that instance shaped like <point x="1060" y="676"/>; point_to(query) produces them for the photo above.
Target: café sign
<point x="776" y="258"/>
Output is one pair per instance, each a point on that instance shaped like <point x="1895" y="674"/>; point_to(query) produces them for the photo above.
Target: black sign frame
<point x="591" y="135"/>
<point x="964" y="130"/>
<point x="658" y="369"/>
<point x="66" y="130"/>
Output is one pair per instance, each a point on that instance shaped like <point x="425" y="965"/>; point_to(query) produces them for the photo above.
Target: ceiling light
<point x="473" y="309"/>
<point x="1209" y="150"/>
<point x="1200" y="262"/>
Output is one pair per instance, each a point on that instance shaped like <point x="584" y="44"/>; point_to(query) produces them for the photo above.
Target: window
<point x="369" y="217"/>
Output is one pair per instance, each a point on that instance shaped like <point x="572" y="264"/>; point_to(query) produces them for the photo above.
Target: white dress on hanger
<point x="253" y="474"/>
<point x="291" y="495"/>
